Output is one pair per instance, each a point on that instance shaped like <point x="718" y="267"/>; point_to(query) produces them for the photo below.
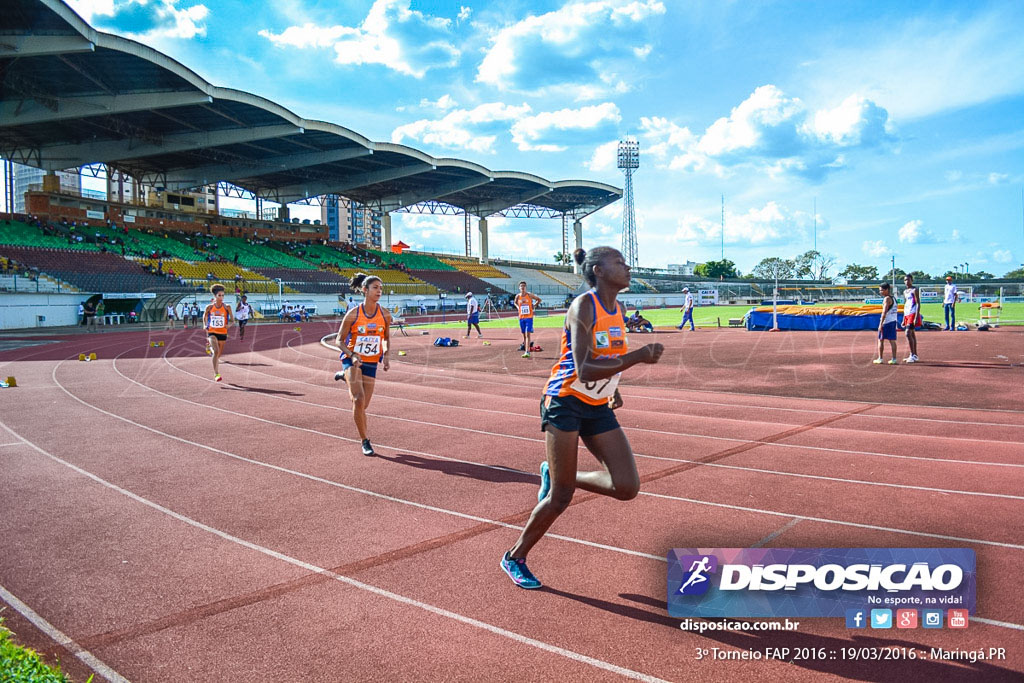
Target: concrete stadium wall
<point x="18" y="311"/>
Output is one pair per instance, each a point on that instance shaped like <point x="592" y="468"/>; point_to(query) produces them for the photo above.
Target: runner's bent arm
<point x="343" y="332"/>
<point x="580" y="320"/>
<point x="386" y="340"/>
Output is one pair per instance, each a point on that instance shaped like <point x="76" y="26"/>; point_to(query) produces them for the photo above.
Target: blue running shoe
<point x="545" y="482"/>
<point x="519" y="573"/>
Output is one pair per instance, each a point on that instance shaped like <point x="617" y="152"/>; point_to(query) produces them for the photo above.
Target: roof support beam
<point x="25" y="113"/>
<point x="13" y="47"/>
<point x="56" y="157"/>
<point x="344" y="184"/>
<point x="204" y="175"/>
<point x="496" y="205"/>
<point x="401" y="200"/>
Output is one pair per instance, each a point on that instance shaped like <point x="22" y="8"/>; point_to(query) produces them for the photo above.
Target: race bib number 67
<point x="601" y="389"/>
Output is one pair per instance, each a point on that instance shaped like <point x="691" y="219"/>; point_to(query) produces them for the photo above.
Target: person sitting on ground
<point x="638" y="323"/>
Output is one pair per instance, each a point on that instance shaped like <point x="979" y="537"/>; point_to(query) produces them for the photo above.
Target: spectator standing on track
<point x="473" y="316"/>
<point x="195" y="313"/>
<point x="687" y="310"/>
<point x="887" y="323"/>
<point x="100" y="310"/>
<point x="525" y="303"/>
<point x="89" y="312"/>
<point x="170" y="316"/>
<point x="950" y="297"/>
<point x="216" y="320"/>
<point x="579" y="401"/>
<point x="364" y="340"/>
<point x="911" y="315"/>
<point x="242" y="313"/>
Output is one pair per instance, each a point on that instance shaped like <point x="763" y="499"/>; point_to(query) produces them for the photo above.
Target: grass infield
<point x="709" y="316"/>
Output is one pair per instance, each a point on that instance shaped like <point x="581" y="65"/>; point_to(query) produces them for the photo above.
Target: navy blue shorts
<point x="888" y="331"/>
<point x="569" y="414"/>
<point x="526" y="325"/>
<point x="369" y="369"/>
<point x="473" y="319"/>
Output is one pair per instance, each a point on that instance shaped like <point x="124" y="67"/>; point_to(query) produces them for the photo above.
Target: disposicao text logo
<point x="817" y="582"/>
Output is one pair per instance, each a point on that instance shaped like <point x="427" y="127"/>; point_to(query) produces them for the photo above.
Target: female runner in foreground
<point x="216" y="319"/>
<point x="578" y="403"/>
<point x="364" y="341"/>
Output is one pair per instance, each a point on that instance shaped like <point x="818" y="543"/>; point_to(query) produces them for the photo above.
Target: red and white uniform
<point x="912" y="309"/>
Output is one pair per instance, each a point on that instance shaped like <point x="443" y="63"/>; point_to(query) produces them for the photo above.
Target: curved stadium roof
<point x="71" y="96"/>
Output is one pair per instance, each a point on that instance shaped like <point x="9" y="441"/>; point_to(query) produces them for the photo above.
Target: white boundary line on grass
<point x="469" y="621"/>
<point x="55" y="634"/>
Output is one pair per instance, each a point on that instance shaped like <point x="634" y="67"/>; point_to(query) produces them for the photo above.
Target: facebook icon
<point x="856" y="618"/>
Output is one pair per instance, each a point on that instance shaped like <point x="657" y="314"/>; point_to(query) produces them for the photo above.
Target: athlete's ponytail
<point x="360" y="281"/>
<point x="589" y="259"/>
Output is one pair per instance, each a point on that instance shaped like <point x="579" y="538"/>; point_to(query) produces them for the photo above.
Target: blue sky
<point x="903" y="123"/>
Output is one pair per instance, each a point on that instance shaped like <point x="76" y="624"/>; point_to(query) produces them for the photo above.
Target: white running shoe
<point x="877" y="361"/>
<point x="910" y="359"/>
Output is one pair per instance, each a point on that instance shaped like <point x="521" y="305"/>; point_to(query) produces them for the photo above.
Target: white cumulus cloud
<point x="875" y="248"/>
<point x="392" y="35"/>
<point x="1002" y="256"/>
<point x="997" y="178"/>
<point x="142" y="19"/>
<point x="583" y="49"/>
<point x="551" y="131"/>
<point x="470" y="129"/>
<point x="912" y="233"/>
<point x="771" y="224"/>
<point x="773" y="132"/>
<point x="604" y="158"/>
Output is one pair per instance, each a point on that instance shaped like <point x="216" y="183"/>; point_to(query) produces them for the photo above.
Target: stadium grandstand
<point x="79" y="100"/>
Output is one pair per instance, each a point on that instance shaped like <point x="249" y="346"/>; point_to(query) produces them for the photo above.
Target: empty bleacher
<point x="457" y="282"/>
<point x="474" y="268"/>
<point x="90" y="271"/>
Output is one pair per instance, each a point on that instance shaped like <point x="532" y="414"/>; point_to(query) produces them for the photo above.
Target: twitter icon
<point x="881" y="618"/>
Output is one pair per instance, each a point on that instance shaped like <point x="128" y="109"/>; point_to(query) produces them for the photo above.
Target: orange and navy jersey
<point x="367" y="334"/>
<point x="217" y="318"/>
<point x="608" y="340"/>
<point x="524" y="303"/>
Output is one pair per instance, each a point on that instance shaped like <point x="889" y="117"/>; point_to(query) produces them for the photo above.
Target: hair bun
<point x="356" y="283"/>
<point x="580" y="255"/>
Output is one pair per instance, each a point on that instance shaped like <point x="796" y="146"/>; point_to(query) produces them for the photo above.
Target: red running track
<point x="160" y="526"/>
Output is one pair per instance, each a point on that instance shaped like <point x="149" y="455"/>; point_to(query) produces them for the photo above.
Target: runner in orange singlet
<point x="526" y="303"/>
<point x="216" y="319"/>
<point x="579" y="401"/>
<point x="364" y="340"/>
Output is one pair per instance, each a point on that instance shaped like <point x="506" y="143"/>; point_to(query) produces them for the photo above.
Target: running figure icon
<point x="697" y="571"/>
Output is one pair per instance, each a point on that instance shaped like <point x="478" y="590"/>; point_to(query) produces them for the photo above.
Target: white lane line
<point x="539" y="441"/>
<point x="399" y="450"/>
<point x="441" y="373"/>
<point x="632" y="396"/>
<point x="778" y="532"/>
<point x="659" y="558"/>
<point x="378" y="393"/>
<point x="995" y="622"/>
<point x="335" y="484"/>
<point x="469" y="621"/>
<point x="825" y="520"/>
<point x="58" y="636"/>
<point x="13" y="443"/>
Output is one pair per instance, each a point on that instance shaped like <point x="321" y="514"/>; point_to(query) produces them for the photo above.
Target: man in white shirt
<point x="687" y="310"/>
<point x="949" y="301"/>
<point x="171" y="315"/>
<point x="472" y="316"/>
<point x="242" y="312"/>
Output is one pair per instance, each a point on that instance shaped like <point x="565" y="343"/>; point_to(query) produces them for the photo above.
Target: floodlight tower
<point x="629" y="161"/>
